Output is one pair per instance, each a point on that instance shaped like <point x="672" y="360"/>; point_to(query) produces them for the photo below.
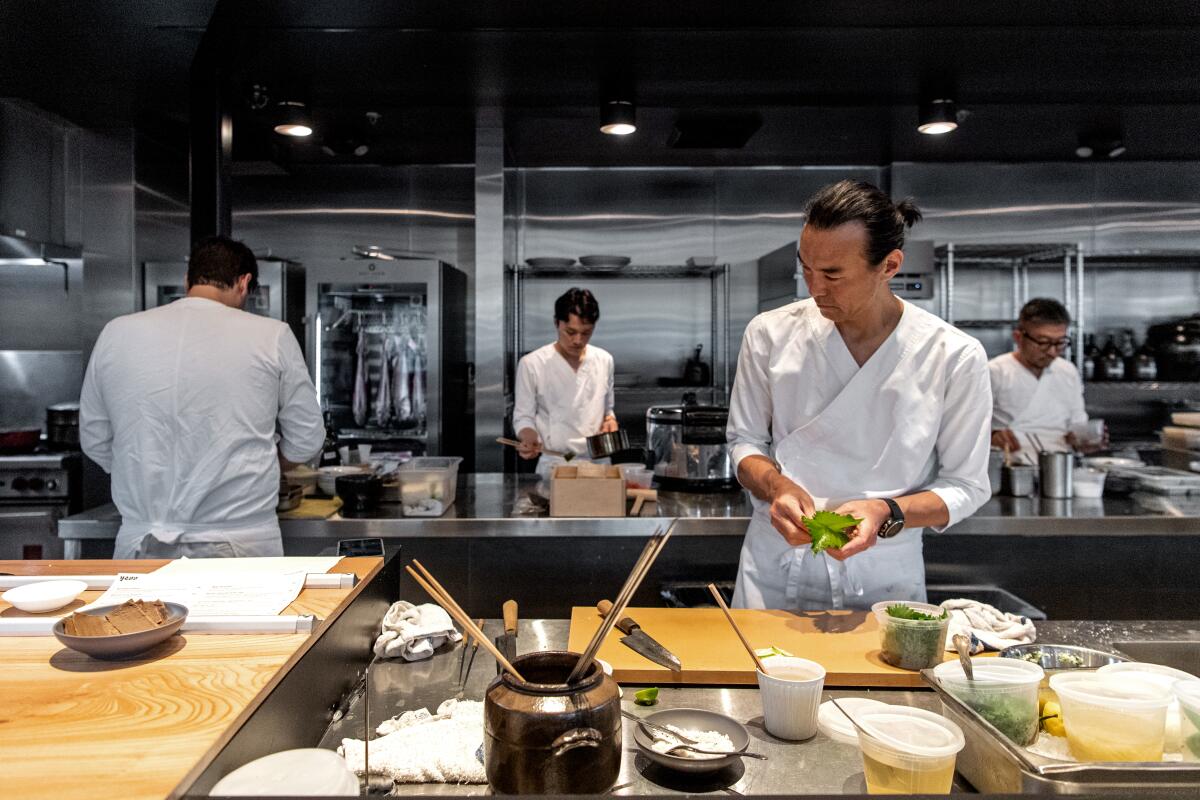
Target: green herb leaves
<point x="901" y="611"/>
<point x="829" y="529"/>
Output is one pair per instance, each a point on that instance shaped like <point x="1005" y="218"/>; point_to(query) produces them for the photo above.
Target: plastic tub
<point x="1166" y="677"/>
<point x="1004" y="692"/>
<point x="1112" y="718"/>
<point x="1089" y="482"/>
<point x="908" y="643"/>
<point x="1187" y="694"/>
<point x="428" y="485"/>
<point x="908" y="753"/>
<point x="636" y="476"/>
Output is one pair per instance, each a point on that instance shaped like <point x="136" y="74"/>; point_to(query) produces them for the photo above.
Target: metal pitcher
<point x="1057" y="474"/>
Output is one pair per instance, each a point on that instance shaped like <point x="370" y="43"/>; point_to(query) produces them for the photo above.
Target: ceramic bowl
<point x="44" y="595"/>
<point x="122" y="645"/>
<point x="693" y="719"/>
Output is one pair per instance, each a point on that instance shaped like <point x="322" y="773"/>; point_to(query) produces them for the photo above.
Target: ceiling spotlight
<point x="618" y="118"/>
<point x="293" y="119"/>
<point x="1100" y="143"/>
<point x="937" y="117"/>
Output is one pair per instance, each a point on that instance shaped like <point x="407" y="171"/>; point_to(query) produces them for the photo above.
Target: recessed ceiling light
<point x="938" y="117"/>
<point x="618" y="118"/>
<point x="293" y="119"/>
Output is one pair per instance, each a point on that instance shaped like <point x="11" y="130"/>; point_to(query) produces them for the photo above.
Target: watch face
<point x="890" y="528"/>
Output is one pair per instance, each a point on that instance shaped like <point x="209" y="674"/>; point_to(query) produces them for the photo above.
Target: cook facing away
<point x="564" y="390"/>
<point x="858" y="402"/>
<point x="180" y="404"/>
<point x="1036" y="391"/>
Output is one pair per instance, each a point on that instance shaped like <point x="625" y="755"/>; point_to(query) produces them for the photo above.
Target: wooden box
<point x="587" y="490"/>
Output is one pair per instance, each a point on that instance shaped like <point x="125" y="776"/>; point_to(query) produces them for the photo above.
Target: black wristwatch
<point x="894" y="523"/>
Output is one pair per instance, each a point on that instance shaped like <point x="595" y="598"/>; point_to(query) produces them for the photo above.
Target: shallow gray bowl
<point x="122" y="645"/>
<point x="1056" y="658"/>
<point x="694" y="719"/>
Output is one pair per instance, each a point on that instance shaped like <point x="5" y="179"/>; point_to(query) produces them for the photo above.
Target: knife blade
<point x="507" y="643"/>
<point x="641" y="642"/>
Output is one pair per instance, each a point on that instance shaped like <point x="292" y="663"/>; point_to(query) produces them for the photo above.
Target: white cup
<point x="364" y="453"/>
<point x="344" y="454"/>
<point x="791" y="696"/>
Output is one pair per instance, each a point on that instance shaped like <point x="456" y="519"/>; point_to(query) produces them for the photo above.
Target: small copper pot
<point x="542" y="737"/>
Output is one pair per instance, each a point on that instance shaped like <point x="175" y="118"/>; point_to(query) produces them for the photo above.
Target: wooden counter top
<point x="73" y="726"/>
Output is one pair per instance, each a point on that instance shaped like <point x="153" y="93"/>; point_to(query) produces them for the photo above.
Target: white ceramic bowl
<point x="327" y="477"/>
<point x="44" y="595"/>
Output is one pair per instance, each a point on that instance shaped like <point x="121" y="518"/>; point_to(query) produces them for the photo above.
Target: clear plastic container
<point x="636" y="476"/>
<point x="1166" y="677"/>
<point x="1112" y="718"/>
<point x="909" y="643"/>
<point x="1088" y="482"/>
<point x="908" y="753"/>
<point x="1187" y="694"/>
<point x="428" y="485"/>
<point x="1004" y="692"/>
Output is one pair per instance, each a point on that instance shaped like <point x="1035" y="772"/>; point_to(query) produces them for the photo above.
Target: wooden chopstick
<point x="641" y="568"/>
<point x="721" y="602"/>
<point x="466" y="622"/>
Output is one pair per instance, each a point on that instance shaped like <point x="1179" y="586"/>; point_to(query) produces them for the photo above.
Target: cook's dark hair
<point x="219" y="261"/>
<point x="1044" y="311"/>
<point x="579" y="302"/>
<point x="858" y="201"/>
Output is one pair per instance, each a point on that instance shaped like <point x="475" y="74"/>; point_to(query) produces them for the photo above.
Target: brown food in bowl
<point x="129" y="617"/>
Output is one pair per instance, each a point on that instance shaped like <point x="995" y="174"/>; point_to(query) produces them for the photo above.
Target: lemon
<point x="1052" y="721"/>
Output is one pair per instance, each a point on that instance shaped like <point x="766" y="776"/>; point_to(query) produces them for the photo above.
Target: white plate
<point x="44" y="595"/>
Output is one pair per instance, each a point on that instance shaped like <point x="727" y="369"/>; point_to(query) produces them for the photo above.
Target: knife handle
<point x="625" y="625"/>
<point x="510" y="616"/>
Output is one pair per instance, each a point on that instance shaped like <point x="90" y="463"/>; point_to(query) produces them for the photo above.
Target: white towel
<point x="988" y="627"/>
<point x="414" y="632"/>
<point x="419" y="747"/>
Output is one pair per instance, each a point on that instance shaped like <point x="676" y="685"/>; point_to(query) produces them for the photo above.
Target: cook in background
<point x="181" y="403"/>
<point x="858" y="402"/>
<point x="1035" y="390"/>
<point x="564" y="390"/>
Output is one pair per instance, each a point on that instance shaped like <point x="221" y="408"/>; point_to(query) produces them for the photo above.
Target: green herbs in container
<point x="912" y="635"/>
<point x="1004" y="692"/>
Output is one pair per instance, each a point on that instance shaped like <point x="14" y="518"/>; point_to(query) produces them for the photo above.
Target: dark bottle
<point x="1112" y="365"/>
<point x="329" y="450"/>
<point x="1091" y="357"/>
<point x="1145" y="366"/>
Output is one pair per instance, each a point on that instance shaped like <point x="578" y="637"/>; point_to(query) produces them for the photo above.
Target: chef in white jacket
<point x="182" y="403"/>
<point x="857" y="402"/>
<point x="564" y="390"/>
<point x="1036" y="391"/>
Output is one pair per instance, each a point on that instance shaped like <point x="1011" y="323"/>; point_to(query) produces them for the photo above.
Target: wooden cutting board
<point x="846" y="643"/>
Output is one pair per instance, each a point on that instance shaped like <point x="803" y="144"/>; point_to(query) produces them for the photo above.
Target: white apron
<point x="875" y="439"/>
<point x="258" y="536"/>
<point x="567" y="430"/>
<point x="1032" y="420"/>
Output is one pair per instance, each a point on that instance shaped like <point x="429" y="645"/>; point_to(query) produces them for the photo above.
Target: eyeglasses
<point x="1045" y="344"/>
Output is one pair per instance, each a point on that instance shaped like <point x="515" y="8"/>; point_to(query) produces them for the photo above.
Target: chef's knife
<point x="507" y="644"/>
<point x="640" y="642"/>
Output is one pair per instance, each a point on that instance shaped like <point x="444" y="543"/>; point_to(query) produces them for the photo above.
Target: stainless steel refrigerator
<point x="388" y="353"/>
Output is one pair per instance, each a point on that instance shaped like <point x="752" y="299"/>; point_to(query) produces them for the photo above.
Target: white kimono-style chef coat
<point x="1046" y="406"/>
<point x="565" y="406"/>
<point x="180" y="404"/>
<point x="914" y="417"/>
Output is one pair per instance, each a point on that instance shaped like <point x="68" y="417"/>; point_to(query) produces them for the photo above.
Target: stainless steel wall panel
<point x="31" y="380"/>
<point x="36" y="311"/>
<point x="489" y="196"/>
<point x="1153" y="206"/>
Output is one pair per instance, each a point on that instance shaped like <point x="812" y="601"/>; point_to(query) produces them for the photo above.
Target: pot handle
<point x="572" y="739"/>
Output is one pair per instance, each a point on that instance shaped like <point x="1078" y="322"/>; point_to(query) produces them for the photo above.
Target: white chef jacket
<point x="565" y="406"/>
<point x="1046" y="406"/>
<point x="180" y="405"/>
<point x="914" y="417"/>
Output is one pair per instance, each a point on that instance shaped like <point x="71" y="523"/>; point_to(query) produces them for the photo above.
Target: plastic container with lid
<point x="1004" y="692"/>
<point x="428" y="485"/>
<point x="912" y="752"/>
<point x="910" y="643"/>
<point x="1089" y="483"/>
<point x="1187" y="694"/>
<point x="1111" y="718"/>
<point x="1165" y="677"/>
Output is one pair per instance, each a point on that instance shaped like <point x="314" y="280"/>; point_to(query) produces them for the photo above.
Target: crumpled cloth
<point x="988" y="627"/>
<point x="413" y="632"/>
<point x="419" y="747"/>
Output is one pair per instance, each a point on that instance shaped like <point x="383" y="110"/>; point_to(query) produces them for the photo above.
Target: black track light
<point x="938" y="116"/>
<point x="618" y="117"/>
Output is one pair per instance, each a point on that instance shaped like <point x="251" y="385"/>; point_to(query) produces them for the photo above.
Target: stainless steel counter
<point x="495" y="505"/>
<point x="818" y="766"/>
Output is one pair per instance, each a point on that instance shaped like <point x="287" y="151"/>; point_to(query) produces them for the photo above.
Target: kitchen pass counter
<point x="73" y="726"/>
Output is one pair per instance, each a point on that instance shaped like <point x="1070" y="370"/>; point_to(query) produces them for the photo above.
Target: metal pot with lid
<point x="545" y="737"/>
<point x="688" y="449"/>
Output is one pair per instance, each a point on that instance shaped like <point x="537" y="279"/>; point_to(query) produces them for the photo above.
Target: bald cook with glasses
<point x="1036" y="391"/>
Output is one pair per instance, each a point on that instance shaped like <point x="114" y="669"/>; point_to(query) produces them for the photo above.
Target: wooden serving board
<point x="846" y="643"/>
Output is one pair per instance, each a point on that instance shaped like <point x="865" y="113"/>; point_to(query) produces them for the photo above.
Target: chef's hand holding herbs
<point x="790" y="504"/>
<point x="870" y="514"/>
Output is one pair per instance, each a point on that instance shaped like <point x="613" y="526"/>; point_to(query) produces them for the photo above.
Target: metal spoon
<point x="692" y="749"/>
<point x="653" y="726"/>
<point x="962" y="644"/>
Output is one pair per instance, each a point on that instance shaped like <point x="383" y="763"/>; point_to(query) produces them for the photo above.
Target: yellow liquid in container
<point x="1092" y="744"/>
<point x="884" y="778"/>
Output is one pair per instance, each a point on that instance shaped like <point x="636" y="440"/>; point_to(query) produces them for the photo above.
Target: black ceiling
<point x="833" y="82"/>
